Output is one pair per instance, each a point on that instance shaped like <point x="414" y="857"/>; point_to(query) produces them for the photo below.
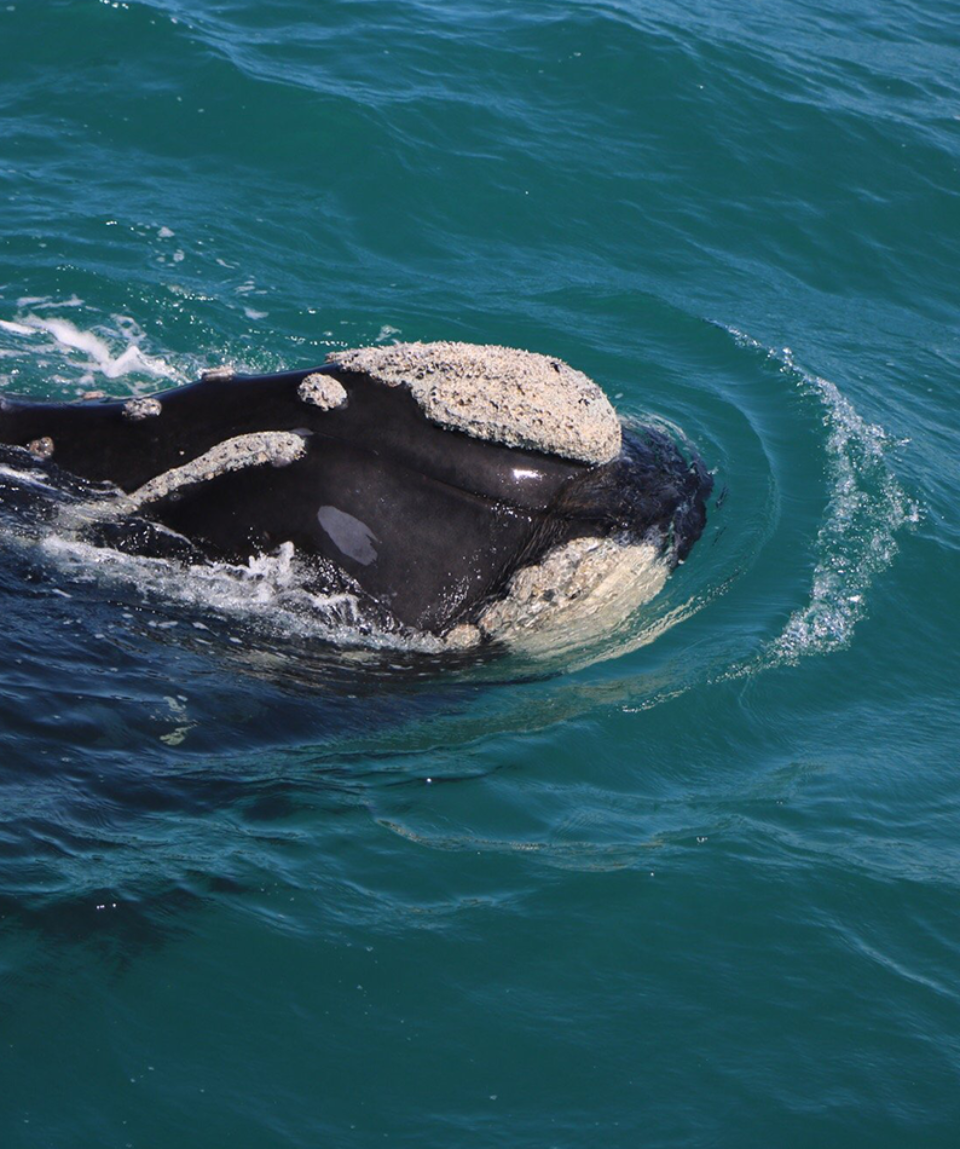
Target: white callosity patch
<point x="279" y="448"/>
<point x="218" y="375"/>
<point x="276" y="447"/>
<point x="576" y="594"/>
<point x="41" y="448"/>
<point x="464" y="636"/>
<point x="137" y="409"/>
<point x="322" y="391"/>
<point x="514" y="397"/>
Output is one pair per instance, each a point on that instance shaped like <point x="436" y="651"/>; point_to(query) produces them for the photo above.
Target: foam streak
<point x="856" y="541"/>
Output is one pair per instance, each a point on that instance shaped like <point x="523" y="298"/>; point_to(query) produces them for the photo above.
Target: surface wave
<point x="866" y="509"/>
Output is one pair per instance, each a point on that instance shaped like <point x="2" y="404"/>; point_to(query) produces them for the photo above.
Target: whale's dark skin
<point x="428" y="525"/>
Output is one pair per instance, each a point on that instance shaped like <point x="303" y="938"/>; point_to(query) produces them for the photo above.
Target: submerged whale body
<point x="473" y="493"/>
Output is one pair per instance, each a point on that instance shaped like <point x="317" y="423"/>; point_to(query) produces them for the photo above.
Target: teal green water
<point x="700" y="891"/>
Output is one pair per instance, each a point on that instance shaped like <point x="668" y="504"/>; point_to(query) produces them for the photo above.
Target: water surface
<point x="697" y="892"/>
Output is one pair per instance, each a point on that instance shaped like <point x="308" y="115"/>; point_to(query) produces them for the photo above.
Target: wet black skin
<point x="434" y="522"/>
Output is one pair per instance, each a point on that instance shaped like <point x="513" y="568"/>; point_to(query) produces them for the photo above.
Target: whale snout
<point x="654" y="490"/>
<point x="672" y="486"/>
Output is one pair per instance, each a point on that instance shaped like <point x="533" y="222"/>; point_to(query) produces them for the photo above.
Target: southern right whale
<point x="472" y="492"/>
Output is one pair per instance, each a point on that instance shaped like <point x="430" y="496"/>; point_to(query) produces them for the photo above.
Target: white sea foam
<point x="268" y="592"/>
<point x="46" y="302"/>
<point x="856" y="541"/>
<point x="16" y="328"/>
<point x="111" y="349"/>
<point x="100" y="358"/>
<point x="33" y="480"/>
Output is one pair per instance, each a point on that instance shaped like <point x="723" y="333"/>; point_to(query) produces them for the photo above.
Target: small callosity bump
<point x="137" y="409"/>
<point x="464" y="636"/>
<point x="41" y="448"/>
<point x="322" y="391"/>
<point x="218" y="375"/>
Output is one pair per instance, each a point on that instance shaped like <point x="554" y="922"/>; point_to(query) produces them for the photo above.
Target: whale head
<point x="470" y="492"/>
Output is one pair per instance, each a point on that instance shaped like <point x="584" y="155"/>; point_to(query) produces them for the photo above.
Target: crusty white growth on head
<point x="322" y="391"/>
<point x="463" y="636"/>
<point x="277" y="447"/>
<point x="41" y="448"/>
<point x="518" y="398"/>
<point x="138" y="409"/>
<point x="577" y="593"/>
<point x="218" y="375"/>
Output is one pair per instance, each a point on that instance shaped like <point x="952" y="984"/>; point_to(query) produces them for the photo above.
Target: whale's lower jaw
<point x="458" y="533"/>
<point x="578" y="593"/>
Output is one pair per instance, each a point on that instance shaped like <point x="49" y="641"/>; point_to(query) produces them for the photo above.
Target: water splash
<point x="856" y="541"/>
<point x="270" y="593"/>
<point x="111" y="348"/>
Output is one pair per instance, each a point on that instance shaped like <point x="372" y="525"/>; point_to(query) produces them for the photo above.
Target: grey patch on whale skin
<point x="279" y="448"/>
<point x="137" y="409"/>
<point x="41" y="448"/>
<point x="518" y="398"/>
<point x="350" y="536"/>
<point x="322" y="391"/>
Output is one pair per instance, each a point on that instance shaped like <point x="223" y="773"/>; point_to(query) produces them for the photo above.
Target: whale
<point x="470" y="492"/>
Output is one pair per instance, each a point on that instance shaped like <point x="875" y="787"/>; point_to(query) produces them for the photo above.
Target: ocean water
<point x="261" y="886"/>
